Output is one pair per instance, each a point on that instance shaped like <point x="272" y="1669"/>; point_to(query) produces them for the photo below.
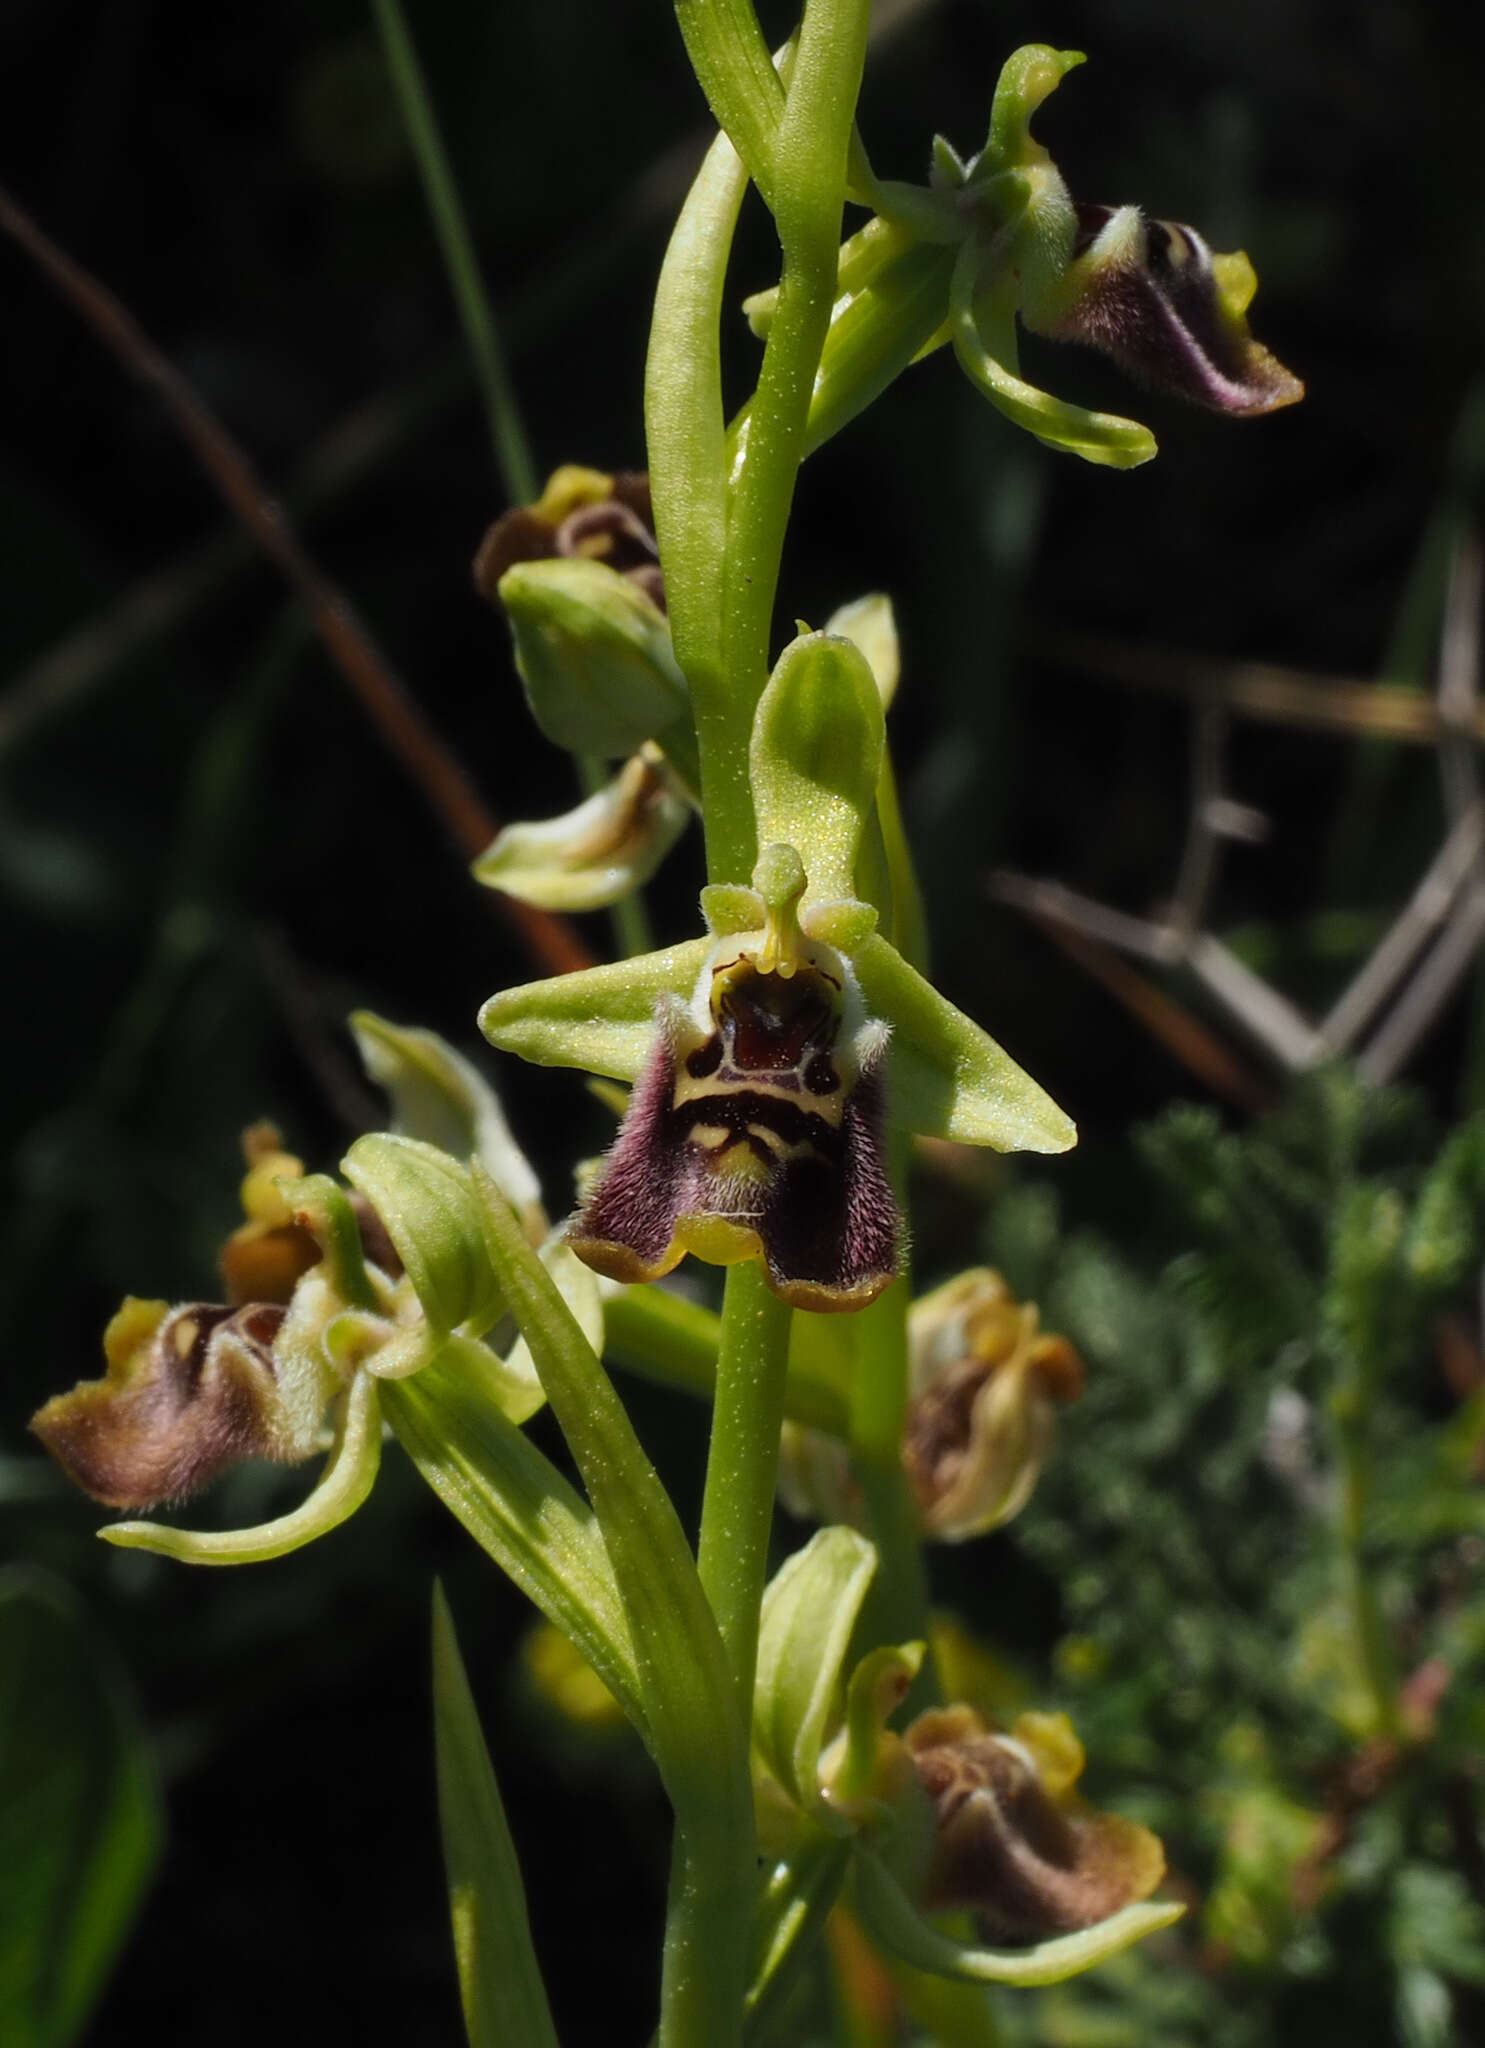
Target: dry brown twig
<point x="1420" y="959"/>
<point x="399" y="722"/>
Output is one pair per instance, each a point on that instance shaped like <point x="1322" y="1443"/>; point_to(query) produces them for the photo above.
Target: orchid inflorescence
<point x="779" y="1057"/>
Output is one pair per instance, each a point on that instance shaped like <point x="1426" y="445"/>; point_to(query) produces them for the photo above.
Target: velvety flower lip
<point x="1154" y="296"/>
<point x="1012" y="1842"/>
<point x="755" y="1131"/>
<point x="187" y="1393"/>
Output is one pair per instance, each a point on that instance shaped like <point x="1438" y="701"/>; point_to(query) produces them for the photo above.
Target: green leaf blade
<point x="500" y="1987"/>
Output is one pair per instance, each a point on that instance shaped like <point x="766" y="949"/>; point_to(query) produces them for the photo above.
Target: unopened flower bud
<point x="1012" y="1842"/>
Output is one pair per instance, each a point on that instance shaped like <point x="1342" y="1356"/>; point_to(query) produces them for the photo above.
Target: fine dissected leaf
<point x="79" y="1817"/>
<point x="500" y="1987"/>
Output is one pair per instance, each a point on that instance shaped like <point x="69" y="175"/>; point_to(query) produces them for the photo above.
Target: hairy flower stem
<point x="742" y="1466"/>
<point x="721" y="540"/>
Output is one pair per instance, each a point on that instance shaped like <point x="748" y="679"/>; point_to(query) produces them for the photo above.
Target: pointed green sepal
<point x="346" y="1480"/>
<point x="594" y="655"/>
<point x="602" y="1019"/>
<point x="809" y="1612"/>
<point x="500" y="1987"/>
<point x="443" y="1099"/>
<point x="891" y="1920"/>
<point x="949" y="1079"/>
<point x="815" y="758"/>
<point x="433" y="1217"/>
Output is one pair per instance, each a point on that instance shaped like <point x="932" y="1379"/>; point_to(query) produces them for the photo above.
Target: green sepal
<point x="815" y="758"/>
<point x="433" y="1217"/>
<point x="443" y="1099"/>
<point x="949" y="1079"/>
<point x="602" y="1018"/>
<point x="320" y="1205"/>
<point x="347" y="1478"/>
<point x="500" y="1987"/>
<point x="519" y="1508"/>
<point x="984" y="331"/>
<point x="809" y="1613"/>
<point x="895" y="1925"/>
<point x="594" y="655"/>
<point x="1027" y="77"/>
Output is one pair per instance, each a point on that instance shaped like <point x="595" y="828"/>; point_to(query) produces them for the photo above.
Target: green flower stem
<point x="810" y="156"/>
<point x="878" y="1415"/>
<point x="507" y="433"/>
<point x="742" y="1465"/>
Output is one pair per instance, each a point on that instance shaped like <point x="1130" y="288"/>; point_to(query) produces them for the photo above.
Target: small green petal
<point x="594" y="654"/>
<point x="346" y="1480"/>
<point x="949" y="1079"/>
<point x="815" y="758"/>
<point x="432" y="1215"/>
<point x="809" y="1612"/>
<point x="602" y="1019"/>
<point x="443" y="1098"/>
<point x="891" y="1920"/>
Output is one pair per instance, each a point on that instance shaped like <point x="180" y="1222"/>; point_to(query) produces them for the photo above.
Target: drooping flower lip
<point x="1012" y="1842"/>
<point x="1154" y="296"/>
<point x="754" y="1133"/>
<point x="188" y="1392"/>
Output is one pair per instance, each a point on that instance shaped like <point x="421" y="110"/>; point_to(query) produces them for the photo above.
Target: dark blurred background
<point x="207" y="858"/>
